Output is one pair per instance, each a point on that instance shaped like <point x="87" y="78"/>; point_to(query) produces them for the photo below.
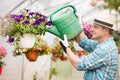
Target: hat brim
<point x="104" y="24"/>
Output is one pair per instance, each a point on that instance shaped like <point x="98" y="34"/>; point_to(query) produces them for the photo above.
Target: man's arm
<point x="72" y="57"/>
<point x="85" y="43"/>
<point x="92" y="61"/>
<point x="80" y="37"/>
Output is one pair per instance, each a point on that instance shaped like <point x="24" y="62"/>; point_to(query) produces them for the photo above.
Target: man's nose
<point x="91" y="29"/>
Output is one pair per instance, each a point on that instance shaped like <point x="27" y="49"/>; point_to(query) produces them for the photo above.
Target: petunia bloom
<point x="11" y="40"/>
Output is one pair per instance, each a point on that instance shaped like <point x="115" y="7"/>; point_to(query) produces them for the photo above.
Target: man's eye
<point x="96" y="26"/>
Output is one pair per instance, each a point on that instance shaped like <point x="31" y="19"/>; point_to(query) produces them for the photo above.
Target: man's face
<point x="97" y="32"/>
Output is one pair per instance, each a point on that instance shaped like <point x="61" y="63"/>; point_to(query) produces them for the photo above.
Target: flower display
<point x="57" y="51"/>
<point x="24" y="22"/>
<point x="3" y="53"/>
<point x="40" y="46"/>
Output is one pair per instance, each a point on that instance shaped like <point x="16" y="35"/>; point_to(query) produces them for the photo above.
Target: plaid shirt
<point x="102" y="62"/>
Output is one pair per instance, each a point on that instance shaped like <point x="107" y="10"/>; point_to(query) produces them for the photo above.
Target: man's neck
<point x="104" y="38"/>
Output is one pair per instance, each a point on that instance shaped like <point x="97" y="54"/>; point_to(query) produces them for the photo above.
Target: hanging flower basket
<point x="32" y="55"/>
<point x="22" y="23"/>
<point x="40" y="48"/>
<point x="22" y="28"/>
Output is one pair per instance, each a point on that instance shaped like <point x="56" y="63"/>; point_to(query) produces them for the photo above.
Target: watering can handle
<point x="74" y="10"/>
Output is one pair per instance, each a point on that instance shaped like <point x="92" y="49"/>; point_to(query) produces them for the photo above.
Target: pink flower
<point x="3" y="51"/>
<point x="87" y="29"/>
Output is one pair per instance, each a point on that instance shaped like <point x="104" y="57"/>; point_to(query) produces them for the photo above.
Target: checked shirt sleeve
<point x="96" y="59"/>
<point x="88" y="44"/>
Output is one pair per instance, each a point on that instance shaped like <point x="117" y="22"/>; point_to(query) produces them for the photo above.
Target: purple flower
<point x="12" y="16"/>
<point x="31" y="13"/>
<point x="49" y="23"/>
<point x="17" y="18"/>
<point x="21" y="16"/>
<point x="26" y="22"/>
<point x="11" y="40"/>
<point x="27" y="17"/>
<point x="45" y="17"/>
<point x="38" y="14"/>
<point x="38" y="21"/>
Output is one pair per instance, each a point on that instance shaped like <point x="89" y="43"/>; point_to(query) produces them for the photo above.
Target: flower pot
<point x="63" y="58"/>
<point x="27" y="41"/>
<point x="0" y="70"/>
<point x="32" y="55"/>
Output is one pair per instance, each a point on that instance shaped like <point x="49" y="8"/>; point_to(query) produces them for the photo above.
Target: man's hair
<point x="110" y="30"/>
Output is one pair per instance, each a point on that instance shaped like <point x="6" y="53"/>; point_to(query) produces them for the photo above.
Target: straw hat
<point x="105" y="19"/>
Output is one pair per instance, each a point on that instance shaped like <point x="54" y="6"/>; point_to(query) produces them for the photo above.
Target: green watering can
<point x="65" y="22"/>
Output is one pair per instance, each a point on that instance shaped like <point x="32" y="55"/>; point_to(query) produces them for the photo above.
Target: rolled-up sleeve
<point x="88" y="44"/>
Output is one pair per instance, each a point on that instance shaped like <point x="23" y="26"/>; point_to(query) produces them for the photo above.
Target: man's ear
<point x="107" y="30"/>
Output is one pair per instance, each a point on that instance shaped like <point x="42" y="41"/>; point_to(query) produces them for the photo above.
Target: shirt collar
<point x="107" y="40"/>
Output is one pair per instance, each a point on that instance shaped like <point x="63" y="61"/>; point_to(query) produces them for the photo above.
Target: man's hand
<point x="64" y="43"/>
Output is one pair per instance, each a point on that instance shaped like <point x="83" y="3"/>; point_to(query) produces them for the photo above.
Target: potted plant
<point x="3" y="53"/>
<point x="24" y="25"/>
<point x="40" y="48"/>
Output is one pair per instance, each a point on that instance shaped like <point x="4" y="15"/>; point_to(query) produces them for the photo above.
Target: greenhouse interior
<point x="39" y="40"/>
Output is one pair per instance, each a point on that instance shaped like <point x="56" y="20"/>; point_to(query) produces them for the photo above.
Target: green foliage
<point x="41" y="46"/>
<point x="26" y="22"/>
<point x="2" y="63"/>
<point x="112" y="4"/>
<point x="53" y="71"/>
<point x="117" y="39"/>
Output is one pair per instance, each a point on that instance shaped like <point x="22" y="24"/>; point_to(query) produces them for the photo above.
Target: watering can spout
<point x="53" y="30"/>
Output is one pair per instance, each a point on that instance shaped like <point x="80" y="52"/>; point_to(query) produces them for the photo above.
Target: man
<point x="102" y="61"/>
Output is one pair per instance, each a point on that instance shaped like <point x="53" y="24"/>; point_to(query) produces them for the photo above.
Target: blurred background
<point x="19" y="68"/>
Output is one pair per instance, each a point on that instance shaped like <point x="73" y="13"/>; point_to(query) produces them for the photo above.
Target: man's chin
<point x="94" y="38"/>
